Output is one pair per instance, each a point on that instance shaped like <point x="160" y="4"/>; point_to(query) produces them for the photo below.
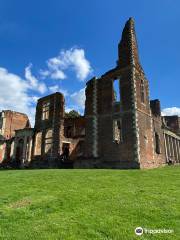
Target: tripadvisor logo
<point x="139" y="231"/>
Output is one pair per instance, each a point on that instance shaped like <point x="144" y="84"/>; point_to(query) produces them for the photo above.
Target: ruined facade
<point x="55" y="140"/>
<point x="10" y="121"/>
<point x="122" y="127"/>
<point x="54" y="133"/>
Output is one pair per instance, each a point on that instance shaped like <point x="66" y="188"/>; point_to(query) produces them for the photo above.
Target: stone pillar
<point x="171" y="148"/>
<point x="166" y="151"/>
<point x="24" y="150"/>
<point x="30" y="149"/>
<point x="168" y="146"/>
<point x="3" y="151"/>
<point x="95" y="120"/>
<point x="14" y="151"/>
<point x="176" y="150"/>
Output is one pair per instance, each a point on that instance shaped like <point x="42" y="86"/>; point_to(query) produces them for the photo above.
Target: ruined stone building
<point x="54" y="132"/>
<point x="10" y="121"/>
<point x="122" y="127"/>
<point x="52" y="135"/>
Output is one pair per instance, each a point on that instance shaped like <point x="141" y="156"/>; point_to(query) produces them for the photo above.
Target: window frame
<point x="48" y="141"/>
<point x="158" y="143"/>
<point x="45" y="110"/>
<point x="116" y="99"/>
<point x="142" y="91"/>
<point x="117" y="123"/>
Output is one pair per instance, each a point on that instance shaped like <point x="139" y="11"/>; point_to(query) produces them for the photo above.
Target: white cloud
<point x="78" y="99"/>
<point x="58" y="74"/>
<point x="67" y="109"/>
<point x="77" y="59"/>
<point x="56" y="88"/>
<point x="44" y="73"/>
<point x="171" y="111"/>
<point x="73" y="58"/>
<point x="21" y="93"/>
<point x="33" y="82"/>
<point x="14" y="94"/>
<point x="34" y="99"/>
<point x="54" y="70"/>
<point x="54" y="63"/>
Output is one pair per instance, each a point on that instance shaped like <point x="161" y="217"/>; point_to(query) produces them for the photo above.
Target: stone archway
<point x="19" y="152"/>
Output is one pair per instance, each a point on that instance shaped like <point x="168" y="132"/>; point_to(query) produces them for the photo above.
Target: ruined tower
<point x="119" y="128"/>
<point x="49" y="123"/>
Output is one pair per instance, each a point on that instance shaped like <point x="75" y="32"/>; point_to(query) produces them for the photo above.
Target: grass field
<point x="89" y="204"/>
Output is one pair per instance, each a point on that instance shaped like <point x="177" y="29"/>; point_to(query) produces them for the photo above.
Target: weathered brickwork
<point x="55" y="140"/>
<point x="10" y="121"/>
<point x="121" y="128"/>
<point x="48" y="129"/>
<point x="173" y="123"/>
<point x="137" y="121"/>
<point x="21" y="148"/>
<point x="73" y="136"/>
<point x="171" y="126"/>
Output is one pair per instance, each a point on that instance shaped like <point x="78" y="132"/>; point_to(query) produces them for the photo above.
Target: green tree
<point x="72" y="114"/>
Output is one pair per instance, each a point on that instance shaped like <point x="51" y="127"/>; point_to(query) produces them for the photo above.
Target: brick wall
<point x="173" y="122"/>
<point x="138" y="126"/>
<point x="53" y="123"/>
<point x="13" y="121"/>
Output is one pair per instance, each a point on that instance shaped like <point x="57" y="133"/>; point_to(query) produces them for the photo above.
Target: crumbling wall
<point x="130" y="143"/>
<point x="49" y="119"/>
<point x="11" y="121"/>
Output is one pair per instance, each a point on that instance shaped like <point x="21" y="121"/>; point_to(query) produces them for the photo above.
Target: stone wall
<point x="132" y="116"/>
<point x="121" y="128"/>
<point x="173" y="122"/>
<point x="12" y="121"/>
<point x="48" y="130"/>
<point x="54" y="132"/>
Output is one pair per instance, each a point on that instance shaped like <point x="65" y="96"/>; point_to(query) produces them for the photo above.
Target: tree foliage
<point x="72" y="114"/>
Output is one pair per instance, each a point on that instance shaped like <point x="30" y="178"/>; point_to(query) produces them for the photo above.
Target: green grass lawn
<point x="89" y="204"/>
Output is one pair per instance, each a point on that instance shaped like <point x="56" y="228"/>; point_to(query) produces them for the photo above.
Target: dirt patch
<point x="21" y="203"/>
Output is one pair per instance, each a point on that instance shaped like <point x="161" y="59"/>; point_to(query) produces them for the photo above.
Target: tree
<point x="72" y="114"/>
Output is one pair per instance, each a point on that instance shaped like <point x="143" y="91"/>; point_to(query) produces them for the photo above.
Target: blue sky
<point x="60" y="44"/>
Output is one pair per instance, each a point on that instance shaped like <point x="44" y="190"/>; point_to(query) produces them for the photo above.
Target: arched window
<point x="158" y="144"/>
<point x="38" y="142"/>
<point x="68" y="131"/>
<point x="45" y="110"/>
<point x="116" y="91"/>
<point x="48" y="141"/>
<point x="19" y="150"/>
<point x="117" y="130"/>
<point x="142" y="91"/>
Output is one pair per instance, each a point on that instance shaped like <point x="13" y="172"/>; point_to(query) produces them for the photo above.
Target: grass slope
<point x="88" y="204"/>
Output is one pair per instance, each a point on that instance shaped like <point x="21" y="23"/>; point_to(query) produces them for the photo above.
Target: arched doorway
<point x="19" y="152"/>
